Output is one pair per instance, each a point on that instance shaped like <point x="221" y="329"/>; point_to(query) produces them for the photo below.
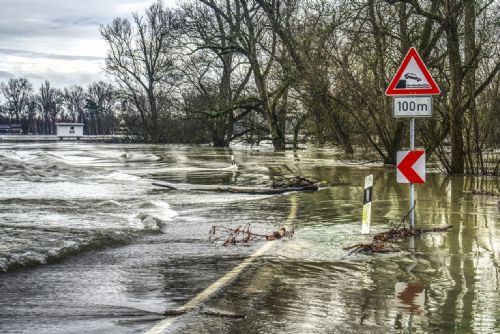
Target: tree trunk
<point x="456" y="112"/>
<point x="470" y="84"/>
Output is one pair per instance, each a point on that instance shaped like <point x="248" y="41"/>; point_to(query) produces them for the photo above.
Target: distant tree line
<point x="287" y="71"/>
<point x="97" y="106"/>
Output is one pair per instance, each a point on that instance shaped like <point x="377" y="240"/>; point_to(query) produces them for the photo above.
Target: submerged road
<point x="88" y="245"/>
<point x="226" y="279"/>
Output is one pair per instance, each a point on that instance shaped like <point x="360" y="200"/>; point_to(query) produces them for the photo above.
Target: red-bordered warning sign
<point x="412" y="78"/>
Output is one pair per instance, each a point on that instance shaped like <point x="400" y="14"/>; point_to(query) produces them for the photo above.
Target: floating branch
<point x="381" y="241"/>
<point x="295" y="182"/>
<point x="484" y="192"/>
<point x="243" y="234"/>
<point x="373" y="247"/>
<point x="403" y="233"/>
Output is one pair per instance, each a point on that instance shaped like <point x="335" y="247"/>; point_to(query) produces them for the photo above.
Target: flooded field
<point x="89" y="245"/>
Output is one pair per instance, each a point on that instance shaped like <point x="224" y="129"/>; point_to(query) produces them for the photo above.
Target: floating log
<point x="204" y="311"/>
<point x="222" y="314"/>
<point x="175" y="312"/>
<point x="235" y="190"/>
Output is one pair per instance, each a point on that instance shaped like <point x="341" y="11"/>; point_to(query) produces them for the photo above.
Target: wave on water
<point x="154" y="214"/>
<point x="28" y="245"/>
<point x="83" y="241"/>
<point x="135" y="157"/>
<point x="59" y="203"/>
<point x="76" y="242"/>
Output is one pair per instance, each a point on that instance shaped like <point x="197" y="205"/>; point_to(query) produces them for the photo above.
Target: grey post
<point x="412" y="186"/>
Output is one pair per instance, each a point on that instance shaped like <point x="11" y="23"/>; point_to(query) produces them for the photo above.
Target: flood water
<point x="89" y="245"/>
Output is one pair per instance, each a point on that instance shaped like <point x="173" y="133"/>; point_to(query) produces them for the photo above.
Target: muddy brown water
<point x="88" y="245"/>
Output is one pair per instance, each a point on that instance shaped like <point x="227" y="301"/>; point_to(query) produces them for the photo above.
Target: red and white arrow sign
<point x="411" y="167"/>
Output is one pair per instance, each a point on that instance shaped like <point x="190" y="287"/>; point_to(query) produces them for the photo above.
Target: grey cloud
<point x="58" y="40"/>
<point x="6" y="75"/>
<point x="58" y="80"/>
<point x="33" y="54"/>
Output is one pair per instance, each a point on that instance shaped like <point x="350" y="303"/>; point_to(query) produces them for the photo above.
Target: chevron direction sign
<point x="411" y="166"/>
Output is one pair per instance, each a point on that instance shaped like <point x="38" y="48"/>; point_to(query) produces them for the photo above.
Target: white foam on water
<point x="72" y="158"/>
<point x="120" y="176"/>
<point x="64" y="190"/>
<point x="154" y="215"/>
<point x="139" y="157"/>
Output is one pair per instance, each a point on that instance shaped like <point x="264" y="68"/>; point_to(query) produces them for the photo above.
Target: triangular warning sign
<point x="412" y="78"/>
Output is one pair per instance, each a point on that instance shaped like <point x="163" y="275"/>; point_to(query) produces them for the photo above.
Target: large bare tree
<point x="141" y="58"/>
<point x="218" y="73"/>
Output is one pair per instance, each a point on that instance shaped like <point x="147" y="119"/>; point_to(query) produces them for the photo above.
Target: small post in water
<point x="233" y="162"/>
<point x="367" y="205"/>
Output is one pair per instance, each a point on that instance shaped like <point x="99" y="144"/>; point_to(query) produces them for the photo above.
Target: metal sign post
<point x="412" y="186"/>
<point x="411" y="88"/>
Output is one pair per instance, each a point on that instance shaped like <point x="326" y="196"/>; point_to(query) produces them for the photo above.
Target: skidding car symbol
<point x="412" y="76"/>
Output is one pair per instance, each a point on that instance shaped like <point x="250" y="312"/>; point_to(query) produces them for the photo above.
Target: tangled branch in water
<point x="243" y="234"/>
<point x="381" y="241"/>
<point x="403" y="233"/>
<point x="295" y="182"/>
<point x="375" y="246"/>
<point x="484" y="192"/>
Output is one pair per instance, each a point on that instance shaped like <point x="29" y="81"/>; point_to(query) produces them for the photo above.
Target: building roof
<point x="70" y="124"/>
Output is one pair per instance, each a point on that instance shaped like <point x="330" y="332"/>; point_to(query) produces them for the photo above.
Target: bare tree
<point x="100" y="101"/>
<point x="49" y="102"/>
<point x="17" y="93"/>
<point x="74" y="102"/>
<point x="217" y="72"/>
<point x="141" y="59"/>
<point x="253" y="37"/>
<point x="305" y="29"/>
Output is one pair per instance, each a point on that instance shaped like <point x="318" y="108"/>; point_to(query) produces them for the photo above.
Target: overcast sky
<point x="58" y="40"/>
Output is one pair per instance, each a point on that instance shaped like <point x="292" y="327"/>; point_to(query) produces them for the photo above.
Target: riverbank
<point x="54" y="138"/>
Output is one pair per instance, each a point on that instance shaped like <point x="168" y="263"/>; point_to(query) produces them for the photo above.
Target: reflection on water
<point x="123" y="250"/>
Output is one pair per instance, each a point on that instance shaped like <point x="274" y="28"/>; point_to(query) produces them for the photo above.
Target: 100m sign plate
<point x="412" y="106"/>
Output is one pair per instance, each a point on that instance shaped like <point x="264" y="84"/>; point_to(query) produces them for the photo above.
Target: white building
<point x="69" y="130"/>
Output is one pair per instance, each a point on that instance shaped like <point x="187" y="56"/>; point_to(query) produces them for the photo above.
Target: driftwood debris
<point x="221" y="313"/>
<point x="483" y="192"/>
<point x="243" y="234"/>
<point x="235" y="190"/>
<point x="373" y="247"/>
<point x="381" y="241"/>
<point x="204" y="311"/>
<point x="295" y="182"/>
<point x="403" y="233"/>
<point x="174" y="312"/>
